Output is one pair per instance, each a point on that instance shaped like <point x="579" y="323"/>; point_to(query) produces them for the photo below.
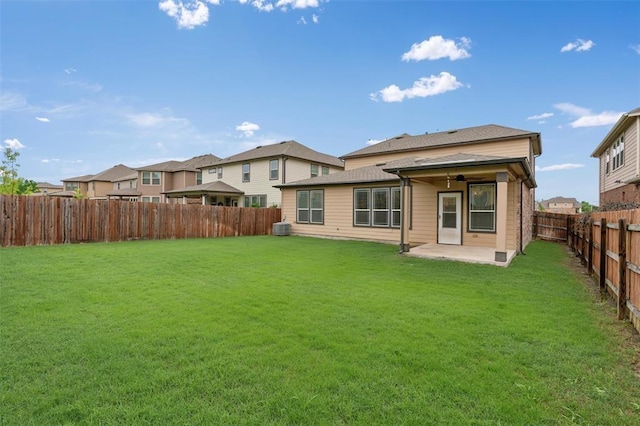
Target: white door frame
<point x="450" y="221"/>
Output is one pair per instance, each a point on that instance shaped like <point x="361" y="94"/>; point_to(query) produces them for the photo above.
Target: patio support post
<point x="184" y="199"/>
<point x="404" y="216"/>
<point x="501" y="216"/>
<point x="204" y="199"/>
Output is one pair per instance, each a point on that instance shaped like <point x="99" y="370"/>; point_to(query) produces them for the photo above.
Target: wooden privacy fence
<point x="550" y="226"/>
<point x="29" y="221"/>
<point x="608" y="243"/>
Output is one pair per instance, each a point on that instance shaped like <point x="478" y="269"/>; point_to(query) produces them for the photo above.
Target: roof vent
<point x="259" y="146"/>
<point x="380" y="164"/>
<point x="452" y="131"/>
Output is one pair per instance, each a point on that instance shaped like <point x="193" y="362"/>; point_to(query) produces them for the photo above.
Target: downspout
<point x="522" y="217"/>
<point x="402" y="224"/>
<point x="284" y="170"/>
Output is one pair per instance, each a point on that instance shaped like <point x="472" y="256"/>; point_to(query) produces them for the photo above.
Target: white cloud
<point x="635" y="48"/>
<point x="586" y="118"/>
<point x="302" y="21"/>
<point x="149" y="120"/>
<point x="540" y="116"/>
<point x="315" y="18"/>
<point x="437" y="47"/>
<point x="70" y="70"/>
<point x="85" y="86"/>
<point x="12" y="101"/>
<point x="261" y="5"/>
<point x="297" y="4"/>
<point x="424" y="87"/>
<point x="190" y="15"/>
<point x="374" y="141"/>
<point x="43" y="119"/>
<point x="579" y="45"/>
<point x="247" y="128"/>
<point x="556" y="167"/>
<point x="13" y="144"/>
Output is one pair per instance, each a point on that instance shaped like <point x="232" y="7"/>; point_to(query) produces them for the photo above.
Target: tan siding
<point x="629" y="170"/>
<point x="518" y="148"/>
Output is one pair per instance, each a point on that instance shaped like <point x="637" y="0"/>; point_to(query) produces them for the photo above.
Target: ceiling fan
<point x="462" y="178"/>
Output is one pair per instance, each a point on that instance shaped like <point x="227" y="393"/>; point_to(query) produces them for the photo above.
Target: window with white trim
<point x="274" y="166"/>
<point x="213" y="171"/>
<point x="607" y="161"/>
<point x="198" y="178"/>
<point x="618" y="152"/>
<point x="255" y="200"/>
<point x="482" y="207"/>
<point x="314" y="170"/>
<point x="325" y="170"/>
<point x="310" y="206"/>
<point x="219" y="172"/>
<point x="378" y="207"/>
<point x="151" y="178"/>
<point x="246" y="172"/>
<point x="150" y="199"/>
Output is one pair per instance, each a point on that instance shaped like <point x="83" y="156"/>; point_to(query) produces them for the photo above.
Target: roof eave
<point x="607" y="140"/>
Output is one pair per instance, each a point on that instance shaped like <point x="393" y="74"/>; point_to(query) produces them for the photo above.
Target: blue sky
<point x="86" y="85"/>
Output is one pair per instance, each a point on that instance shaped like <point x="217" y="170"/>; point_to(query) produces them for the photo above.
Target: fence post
<point x="603" y="253"/>
<point x="590" y="254"/>
<point x="569" y="234"/>
<point x="622" y="269"/>
<point x="583" y="257"/>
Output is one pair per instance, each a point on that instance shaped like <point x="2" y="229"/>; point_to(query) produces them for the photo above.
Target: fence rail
<point x="26" y="221"/>
<point x="608" y="244"/>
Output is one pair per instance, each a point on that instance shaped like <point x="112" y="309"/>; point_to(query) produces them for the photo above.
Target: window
<point x="151" y="178"/>
<point x="212" y="171"/>
<point x="255" y="201"/>
<point x="378" y="207"/>
<point x="70" y="186"/>
<point x="325" y="170"/>
<point x="246" y="172"/>
<point x="608" y="161"/>
<point x="150" y="199"/>
<point x="199" y="178"/>
<point x="310" y="206"/>
<point x="219" y="172"/>
<point x="274" y="165"/>
<point x="118" y="185"/>
<point x="314" y="170"/>
<point x="618" y="152"/>
<point x="482" y="207"/>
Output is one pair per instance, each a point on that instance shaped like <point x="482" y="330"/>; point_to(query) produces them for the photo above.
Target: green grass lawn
<point x="292" y="330"/>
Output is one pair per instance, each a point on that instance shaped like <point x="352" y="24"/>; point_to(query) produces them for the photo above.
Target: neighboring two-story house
<point x="157" y="181"/>
<point x="560" y="205"/>
<point x="247" y="179"/>
<point x="125" y="188"/>
<point x="619" y="157"/>
<point x="96" y="186"/>
<point x="468" y="187"/>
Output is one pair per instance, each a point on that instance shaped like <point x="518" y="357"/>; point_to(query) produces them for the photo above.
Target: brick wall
<point x="629" y="193"/>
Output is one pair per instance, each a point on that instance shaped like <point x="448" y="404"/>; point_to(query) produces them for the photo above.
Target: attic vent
<point x="380" y="164"/>
<point x="452" y="131"/>
<point x="259" y="146"/>
<point x="283" y="142"/>
<point x="399" y="137"/>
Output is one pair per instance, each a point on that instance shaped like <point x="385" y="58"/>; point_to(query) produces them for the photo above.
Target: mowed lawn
<point x="292" y="330"/>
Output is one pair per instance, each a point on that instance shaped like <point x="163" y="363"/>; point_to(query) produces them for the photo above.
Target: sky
<point x="86" y="85"/>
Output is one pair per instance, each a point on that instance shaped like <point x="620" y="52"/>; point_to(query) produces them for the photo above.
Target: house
<point x="247" y="179"/>
<point x="94" y="187"/>
<point x="471" y="187"/>
<point x="560" y="205"/>
<point x="125" y="188"/>
<point x="619" y="156"/>
<point x="156" y="182"/>
<point x="46" y="188"/>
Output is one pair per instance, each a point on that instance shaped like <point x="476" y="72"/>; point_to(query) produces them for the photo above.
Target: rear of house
<point x="469" y="187"/>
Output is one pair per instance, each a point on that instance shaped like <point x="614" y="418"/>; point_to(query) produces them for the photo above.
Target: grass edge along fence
<point x="608" y="244"/>
<point x="28" y="220"/>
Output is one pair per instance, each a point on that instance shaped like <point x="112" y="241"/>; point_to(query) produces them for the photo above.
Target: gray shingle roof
<point x="617" y="128"/>
<point x="125" y="192"/>
<point x="468" y="135"/>
<point x="459" y="159"/>
<point x="217" y="186"/>
<point x="573" y="201"/>
<point x="286" y="148"/>
<point x="83" y="178"/>
<point x="113" y="174"/>
<point x="191" y="165"/>
<point x="359" y="175"/>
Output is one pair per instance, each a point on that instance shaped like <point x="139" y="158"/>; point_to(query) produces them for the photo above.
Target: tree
<point x="587" y="208"/>
<point x="26" y="186"/>
<point x="9" y="172"/>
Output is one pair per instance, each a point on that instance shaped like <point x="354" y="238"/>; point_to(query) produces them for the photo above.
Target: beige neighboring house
<point x="247" y="179"/>
<point x="560" y="205"/>
<point x="157" y="182"/>
<point x="125" y="188"/>
<point x="46" y="188"/>
<point x="94" y="187"/>
<point x="470" y="187"/>
<point x="619" y="156"/>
